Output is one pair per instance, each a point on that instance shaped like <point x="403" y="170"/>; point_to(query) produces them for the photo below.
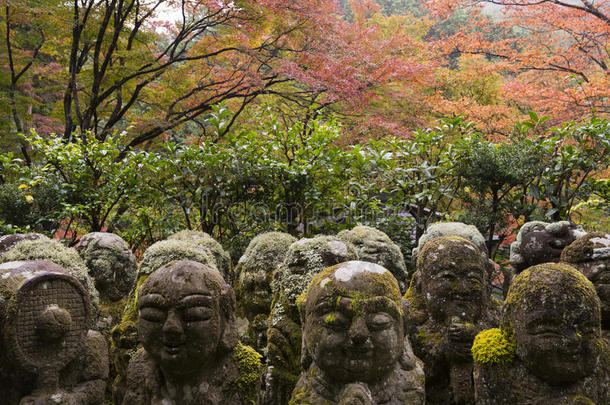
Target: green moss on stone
<point x="54" y="251"/>
<point x="493" y="347"/>
<point x="547" y="278"/>
<point x="249" y="366"/>
<point x="222" y="259"/>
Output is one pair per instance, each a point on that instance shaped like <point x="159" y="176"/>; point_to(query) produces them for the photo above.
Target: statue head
<point x="186" y="317"/>
<point x="591" y="256"/>
<point x="553" y="314"/>
<point x="262" y="258"/>
<point x="453" y="277"/>
<point x="375" y="246"/>
<point x="110" y="262"/>
<point x="353" y="320"/>
<point x="540" y="242"/>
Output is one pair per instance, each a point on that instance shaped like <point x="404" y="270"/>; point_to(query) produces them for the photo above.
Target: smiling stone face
<point x="453" y="274"/>
<point x="554" y="315"/>
<point x="354" y="322"/>
<point x="180" y="319"/>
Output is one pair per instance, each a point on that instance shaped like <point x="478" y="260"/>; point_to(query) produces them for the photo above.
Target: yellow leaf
<point x="22" y="186"/>
<point x="29" y="198"/>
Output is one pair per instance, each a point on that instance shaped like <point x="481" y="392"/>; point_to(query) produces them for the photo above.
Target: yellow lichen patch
<point x="249" y="366"/>
<point x="493" y="348"/>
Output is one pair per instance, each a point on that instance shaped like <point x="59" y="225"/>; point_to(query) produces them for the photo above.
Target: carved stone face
<point x="110" y="263"/>
<point x="256" y="268"/>
<point x="591" y="256"/>
<point x="540" y="242"/>
<point x="555" y="319"/>
<point x="354" y="322"/>
<point x="180" y="322"/>
<point x="454" y="275"/>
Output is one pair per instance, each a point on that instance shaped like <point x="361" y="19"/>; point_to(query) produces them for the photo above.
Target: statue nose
<point x="173" y="324"/>
<point x="359" y="332"/>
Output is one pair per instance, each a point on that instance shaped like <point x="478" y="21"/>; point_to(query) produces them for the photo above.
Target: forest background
<point x="143" y="117"/>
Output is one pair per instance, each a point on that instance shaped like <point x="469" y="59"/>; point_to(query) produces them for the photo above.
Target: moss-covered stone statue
<point x="438" y="229"/>
<point x="374" y="246"/>
<point x="7" y="242"/>
<point x="124" y="336"/>
<point x="255" y="270"/>
<point x="449" y="310"/>
<point x="211" y="245"/>
<point x="541" y="242"/>
<point x="48" y="354"/>
<point x="354" y="344"/>
<point x="53" y="251"/>
<point x="110" y="262"/>
<point x="190" y="352"/>
<point x="305" y="258"/>
<point x="548" y="349"/>
<point x="591" y="255"/>
<point x="113" y="267"/>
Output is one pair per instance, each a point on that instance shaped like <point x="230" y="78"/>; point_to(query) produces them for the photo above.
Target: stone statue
<point x="7" y="242"/>
<point x="125" y="335"/>
<point x="438" y="229"/>
<point x="110" y="262"/>
<point x="48" y="355"/>
<point x="190" y="354"/>
<point x="540" y="242"/>
<point x="354" y="344"/>
<point x="211" y="246"/>
<point x="548" y="349"/>
<point x="374" y="246"/>
<point x="53" y="251"/>
<point x="305" y="258"/>
<point x="446" y="314"/>
<point x="255" y="270"/>
<point x="591" y="255"/>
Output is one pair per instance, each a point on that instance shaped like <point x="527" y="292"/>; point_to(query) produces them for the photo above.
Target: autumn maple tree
<point x="556" y="62"/>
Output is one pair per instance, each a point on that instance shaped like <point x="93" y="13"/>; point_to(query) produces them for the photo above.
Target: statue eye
<point x="380" y="321"/>
<point x="153" y="314"/>
<point x="336" y="321"/>
<point x="197" y="314"/>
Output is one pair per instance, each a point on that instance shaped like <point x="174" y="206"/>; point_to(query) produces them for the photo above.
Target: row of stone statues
<point x="331" y="319"/>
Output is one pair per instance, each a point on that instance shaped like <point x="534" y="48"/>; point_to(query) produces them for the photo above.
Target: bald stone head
<point x="353" y="322"/>
<point x="186" y="317"/>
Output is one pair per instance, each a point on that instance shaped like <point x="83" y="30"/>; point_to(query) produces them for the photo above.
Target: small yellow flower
<point x="29" y="198"/>
<point x="22" y="186"/>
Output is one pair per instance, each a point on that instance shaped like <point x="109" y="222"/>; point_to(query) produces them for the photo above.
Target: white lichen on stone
<point x="354" y="268"/>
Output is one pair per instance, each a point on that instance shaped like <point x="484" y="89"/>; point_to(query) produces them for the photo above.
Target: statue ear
<point x="229" y="335"/>
<point x="405" y="315"/>
<point x="305" y="356"/>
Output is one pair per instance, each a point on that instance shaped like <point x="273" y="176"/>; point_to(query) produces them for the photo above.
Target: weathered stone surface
<point x="255" y="270"/>
<point x="206" y="242"/>
<point x="54" y="251"/>
<point x="47" y="353"/>
<point x="438" y="229"/>
<point x="549" y="348"/>
<point x="375" y="246"/>
<point x="110" y="262"/>
<point x="590" y="255"/>
<point x="354" y="343"/>
<point x="305" y="258"/>
<point x="190" y="351"/>
<point x="124" y="336"/>
<point x="541" y="242"/>
<point x="446" y="310"/>
<point x="7" y="242"/>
